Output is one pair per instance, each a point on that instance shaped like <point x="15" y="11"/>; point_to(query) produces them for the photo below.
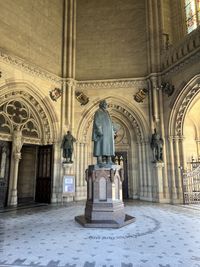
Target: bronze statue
<point x="67" y="146"/>
<point x="103" y="135"/>
<point x="157" y="147"/>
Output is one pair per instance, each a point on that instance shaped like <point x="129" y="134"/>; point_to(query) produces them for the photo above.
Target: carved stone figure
<point x="103" y="135"/>
<point x="68" y="146"/>
<point x="157" y="146"/>
<point x="17" y="143"/>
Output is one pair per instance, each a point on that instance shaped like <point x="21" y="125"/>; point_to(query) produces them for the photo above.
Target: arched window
<point x="192" y="13"/>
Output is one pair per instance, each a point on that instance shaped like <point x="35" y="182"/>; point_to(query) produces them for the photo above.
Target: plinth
<point x="68" y="192"/>
<point x="104" y="207"/>
<point x="158" y="173"/>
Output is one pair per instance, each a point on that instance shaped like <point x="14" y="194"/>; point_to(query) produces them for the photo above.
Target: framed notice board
<point x="69" y="184"/>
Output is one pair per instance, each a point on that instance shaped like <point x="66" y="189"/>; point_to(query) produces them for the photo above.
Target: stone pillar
<point x="158" y="174"/>
<point x="57" y="181"/>
<point x="162" y="130"/>
<point x="15" y="158"/>
<point x="178" y="169"/>
<point x="173" y="182"/>
<point x="68" y="63"/>
<point x="198" y="148"/>
<point x="154" y="89"/>
<point x="141" y="184"/>
<point x="144" y="170"/>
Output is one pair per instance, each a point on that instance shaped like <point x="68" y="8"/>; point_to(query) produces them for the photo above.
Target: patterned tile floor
<point x="47" y="236"/>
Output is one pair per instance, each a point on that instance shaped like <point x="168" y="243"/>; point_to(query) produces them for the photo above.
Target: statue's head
<point x="103" y="104"/>
<point x="68" y="132"/>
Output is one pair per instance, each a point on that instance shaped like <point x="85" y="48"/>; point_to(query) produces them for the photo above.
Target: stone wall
<point x="32" y="30"/>
<point x="111" y="39"/>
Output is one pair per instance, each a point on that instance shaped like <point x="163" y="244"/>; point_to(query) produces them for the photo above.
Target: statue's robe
<point x="103" y="134"/>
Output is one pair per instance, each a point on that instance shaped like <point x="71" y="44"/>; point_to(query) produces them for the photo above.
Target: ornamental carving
<point x="15" y="114"/>
<point x="183" y="108"/>
<point x="31" y="69"/>
<point x="129" y="116"/>
<point x="81" y="97"/>
<point x="20" y="110"/>
<point x="113" y="84"/>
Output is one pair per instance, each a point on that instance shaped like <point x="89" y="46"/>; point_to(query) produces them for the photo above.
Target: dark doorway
<point x="27" y="174"/>
<point x="120" y="158"/>
<point x="5" y="148"/>
<point x="44" y="174"/>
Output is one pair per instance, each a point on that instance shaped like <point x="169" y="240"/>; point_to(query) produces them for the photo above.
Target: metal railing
<point x="191" y="186"/>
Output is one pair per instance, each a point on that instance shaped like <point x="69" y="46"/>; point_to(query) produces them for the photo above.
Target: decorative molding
<point x="183" y="108"/>
<point x="128" y="115"/>
<point x="29" y="68"/>
<point x="93" y="84"/>
<point x="118" y="83"/>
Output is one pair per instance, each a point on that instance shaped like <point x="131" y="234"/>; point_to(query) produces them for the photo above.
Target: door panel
<point x="44" y="173"/>
<point x="120" y="158"/>
<point x="27" y="174"/>
<point x="4" y="171"/>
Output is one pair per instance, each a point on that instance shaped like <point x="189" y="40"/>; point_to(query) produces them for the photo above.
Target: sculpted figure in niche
<point x="17" y="142"/>
<point x="68" y="146"/>
<point x="103" y="136"/>
<point x="157" y="146"/>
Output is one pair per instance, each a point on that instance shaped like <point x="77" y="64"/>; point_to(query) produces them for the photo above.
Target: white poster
<point x="68" y="184"/>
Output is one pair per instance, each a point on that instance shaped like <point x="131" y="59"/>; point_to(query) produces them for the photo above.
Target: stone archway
<point x="184" y="102"/>
<point x="133" y="139"/>
<point x="26" y="117"/>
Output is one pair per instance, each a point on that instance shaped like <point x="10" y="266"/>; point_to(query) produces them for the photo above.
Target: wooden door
<point x="120" y="158"/>
<point x="4" y="171"/>
<point x="44" y="174"/>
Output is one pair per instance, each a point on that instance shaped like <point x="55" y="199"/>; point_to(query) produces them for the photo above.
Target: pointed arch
<point x="118" y="108"/>
<point x="22" y="105"/>
<point x="181" y="106"/>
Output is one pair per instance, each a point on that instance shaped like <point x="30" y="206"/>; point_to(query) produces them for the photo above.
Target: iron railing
<point x="191" y="186"/>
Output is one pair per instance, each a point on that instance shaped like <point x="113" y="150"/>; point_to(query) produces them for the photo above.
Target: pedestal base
<point x="104" y="207"/>
<point x="104" y="223"/>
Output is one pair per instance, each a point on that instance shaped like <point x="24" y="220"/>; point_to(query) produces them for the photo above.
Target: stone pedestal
<point x="158" y="172"/>
<point x="68" y="193"/>
<point x="104" y="206"/>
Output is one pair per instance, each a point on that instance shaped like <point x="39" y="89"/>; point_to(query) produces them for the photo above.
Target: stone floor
<point x="47" y="236"/>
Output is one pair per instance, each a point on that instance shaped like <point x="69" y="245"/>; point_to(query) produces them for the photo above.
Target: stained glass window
<point x="198" y="10"/>
<point x="192" y="13"/>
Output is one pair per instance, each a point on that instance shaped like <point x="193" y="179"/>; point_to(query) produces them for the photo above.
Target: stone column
<point x="57" y="181"/>
<point x="198" y="148"/>
<point x="178" y="170"/>
<point x="141" y="186"/>
<point x="154" y="89"/>
<point x="158" y="174"/>
<point x="173" y="182"/>
<point x="149" y="180"/>
<point x="15" y="158"/>
<point x="68" y="63"/>
<point x="144" y="171"/>
<point x="162" y="130"/>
